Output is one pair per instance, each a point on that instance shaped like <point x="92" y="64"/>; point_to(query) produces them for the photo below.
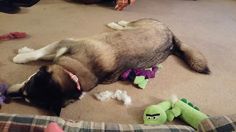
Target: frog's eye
<point x="155" y="117"/>
<point x="149" y="118"/>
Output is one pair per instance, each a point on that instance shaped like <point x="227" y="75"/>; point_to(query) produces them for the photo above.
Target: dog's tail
<point x="191" y="56"/>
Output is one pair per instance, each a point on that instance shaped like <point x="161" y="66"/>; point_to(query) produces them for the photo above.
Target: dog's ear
<point x="43" y="68"/>
<point x="43" y="73"/>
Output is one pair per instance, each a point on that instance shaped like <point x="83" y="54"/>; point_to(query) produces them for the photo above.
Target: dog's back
<point x="141" y="44"/>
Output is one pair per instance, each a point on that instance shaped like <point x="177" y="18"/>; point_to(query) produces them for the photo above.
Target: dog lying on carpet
<point x="82" y="64"/>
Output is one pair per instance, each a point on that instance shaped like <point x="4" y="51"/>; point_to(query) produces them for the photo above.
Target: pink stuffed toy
<point x="13" y="35"/>
<point x="53" y="127"/>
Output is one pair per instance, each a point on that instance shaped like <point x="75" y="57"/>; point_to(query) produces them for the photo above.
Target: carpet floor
<point x="209" y="25"/>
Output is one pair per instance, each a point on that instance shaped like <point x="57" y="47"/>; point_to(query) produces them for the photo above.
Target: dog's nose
<point x="16" y="95"/>
<point x="15" y="91"/>
<point x="15" y="88"/>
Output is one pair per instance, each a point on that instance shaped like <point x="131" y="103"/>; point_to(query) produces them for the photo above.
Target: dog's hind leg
<point x="25" y="50"/>
<point x="48" y="50"/>
<point x="121" y="25"/>
<point x="60" y="52"/>
<point x="115" y="26"/>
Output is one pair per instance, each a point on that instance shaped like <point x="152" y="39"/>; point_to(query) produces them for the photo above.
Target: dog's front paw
<point x="20" y="59"/>
<point x="24" y="50"/>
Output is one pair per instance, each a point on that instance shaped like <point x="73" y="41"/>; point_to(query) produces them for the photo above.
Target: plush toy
<point x="13" y="35"/>
<point x="3" y="91"/>
<point x="118" y="94"/>
<point x="168" y="110"/>
<point x="53" y="127"/>
<point x="140" y="76"/>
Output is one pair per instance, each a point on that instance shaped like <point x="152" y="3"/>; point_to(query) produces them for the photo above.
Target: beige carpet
<point x="209" y="25"/>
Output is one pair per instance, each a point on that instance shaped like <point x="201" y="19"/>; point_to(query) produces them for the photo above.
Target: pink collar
<point x="74" y="78"/>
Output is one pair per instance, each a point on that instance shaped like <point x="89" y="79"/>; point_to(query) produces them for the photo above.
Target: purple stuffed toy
<point x="140" y="76"/>
<point x="3" y="92"/>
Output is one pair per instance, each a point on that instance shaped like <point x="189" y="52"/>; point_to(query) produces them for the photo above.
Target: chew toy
<point x="139" y="76"/>
<point x="53" y="127"/>
<point x="13" y="35"/>
<point x="119" y="95"/>
<point x="168" y="110"/>
<point x="3" y="90"/>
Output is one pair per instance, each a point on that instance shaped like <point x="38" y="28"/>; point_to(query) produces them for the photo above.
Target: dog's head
<point x="49" y="88"/>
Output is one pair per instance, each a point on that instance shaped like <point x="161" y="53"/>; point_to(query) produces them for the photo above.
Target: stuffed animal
<point x="53" y="127"/>
<point x="140" y="76"/>
<point x="3" y="91"/>
<point x="13" y="35"/>
<point x="168" y="110"/>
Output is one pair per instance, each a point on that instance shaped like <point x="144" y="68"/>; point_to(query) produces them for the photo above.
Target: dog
<point x="81" y="64"/>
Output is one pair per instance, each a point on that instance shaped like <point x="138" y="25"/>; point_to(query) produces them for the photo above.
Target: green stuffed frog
<point x="168" y="110"/>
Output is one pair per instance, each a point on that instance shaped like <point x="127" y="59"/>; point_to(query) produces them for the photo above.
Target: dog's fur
<point x="101" y="59"/>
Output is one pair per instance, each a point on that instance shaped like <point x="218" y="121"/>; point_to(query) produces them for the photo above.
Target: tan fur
<point x="193" y="57"/>
<point x="61" y="77"/>
<point x="102" y="58"/>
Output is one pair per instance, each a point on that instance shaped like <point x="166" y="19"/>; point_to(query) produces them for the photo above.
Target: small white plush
<point x="119" y="95"/>
<point x="104" y="96"/>
<point x="122" y="96"/>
